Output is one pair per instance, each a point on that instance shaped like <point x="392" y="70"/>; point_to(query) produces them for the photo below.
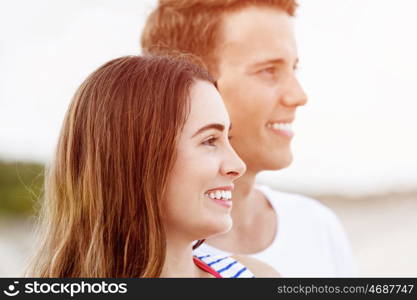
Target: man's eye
<point x="270" y="70"/>
<point x="210" y="141"/>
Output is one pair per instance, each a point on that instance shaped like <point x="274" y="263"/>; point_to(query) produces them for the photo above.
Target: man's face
<point x="257" y="58"/>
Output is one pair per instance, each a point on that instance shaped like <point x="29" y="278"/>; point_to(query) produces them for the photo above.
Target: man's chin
<point x="279" y="162"/>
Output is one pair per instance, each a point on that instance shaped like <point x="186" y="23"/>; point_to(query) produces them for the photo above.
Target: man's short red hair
<point x="192" y="26"/>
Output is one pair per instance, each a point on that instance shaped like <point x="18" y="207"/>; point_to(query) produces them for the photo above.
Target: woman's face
<point x="200" y="187"/>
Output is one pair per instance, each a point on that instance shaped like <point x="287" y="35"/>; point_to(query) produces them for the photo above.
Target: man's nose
<point x="294" y="94"/>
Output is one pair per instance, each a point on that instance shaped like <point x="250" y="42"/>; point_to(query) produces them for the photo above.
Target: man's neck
<point x="251" y="213"/>
<point x="244" y="199"/>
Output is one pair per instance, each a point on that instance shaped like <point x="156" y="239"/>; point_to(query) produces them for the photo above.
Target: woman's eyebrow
<point x="219" y="127"/>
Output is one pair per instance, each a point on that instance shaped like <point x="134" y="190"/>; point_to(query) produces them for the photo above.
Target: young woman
<point x="143" y="168"/>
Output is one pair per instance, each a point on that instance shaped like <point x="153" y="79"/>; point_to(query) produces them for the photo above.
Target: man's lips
<point x="281" y="128"/>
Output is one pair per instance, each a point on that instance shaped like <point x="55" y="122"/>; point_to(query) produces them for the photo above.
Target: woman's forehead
<point x="206" y="106"/>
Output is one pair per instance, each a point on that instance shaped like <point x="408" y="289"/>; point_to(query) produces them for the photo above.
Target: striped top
<point x="226" y="266"/>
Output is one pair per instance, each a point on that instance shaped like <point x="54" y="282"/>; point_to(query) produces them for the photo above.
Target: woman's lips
<point x="221" y="195"/>
<point x="225" y="203"/>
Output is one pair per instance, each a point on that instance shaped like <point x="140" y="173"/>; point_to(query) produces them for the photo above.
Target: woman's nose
<point x="233" y="165"/>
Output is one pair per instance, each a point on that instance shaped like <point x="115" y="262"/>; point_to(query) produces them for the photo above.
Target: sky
<point x="358" y="65"/>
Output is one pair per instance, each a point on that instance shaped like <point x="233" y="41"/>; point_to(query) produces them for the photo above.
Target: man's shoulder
<point x="298" y="204"/>
<point x="315" y="226"/>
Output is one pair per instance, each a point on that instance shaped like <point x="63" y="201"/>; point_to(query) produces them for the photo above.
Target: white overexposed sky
<point x="358" y="65"/>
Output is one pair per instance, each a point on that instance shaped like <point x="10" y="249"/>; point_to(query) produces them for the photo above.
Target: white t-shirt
<point x="310" y="240"/>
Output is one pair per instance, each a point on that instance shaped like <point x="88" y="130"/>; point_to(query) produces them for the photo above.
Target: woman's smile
<point x="221" y="195"/>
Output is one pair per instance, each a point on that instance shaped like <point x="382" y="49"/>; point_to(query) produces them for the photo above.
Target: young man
<point x="249" y="47"/>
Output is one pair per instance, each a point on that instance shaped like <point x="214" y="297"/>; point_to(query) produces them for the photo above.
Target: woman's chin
<point x="220" y="227"/>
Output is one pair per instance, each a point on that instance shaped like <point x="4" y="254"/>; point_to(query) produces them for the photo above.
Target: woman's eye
<point x="210" y="141"/>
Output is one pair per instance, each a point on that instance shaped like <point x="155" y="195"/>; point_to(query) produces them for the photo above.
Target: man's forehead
<point x="253" y="21"/>
<point x="258" y="34"/>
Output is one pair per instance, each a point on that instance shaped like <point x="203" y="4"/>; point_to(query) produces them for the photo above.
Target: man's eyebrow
<point x="273" y="61"/>
<point x="217" y="126"/>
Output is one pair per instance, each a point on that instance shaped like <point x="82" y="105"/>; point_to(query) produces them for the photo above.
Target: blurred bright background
<point x="356" y="140"/>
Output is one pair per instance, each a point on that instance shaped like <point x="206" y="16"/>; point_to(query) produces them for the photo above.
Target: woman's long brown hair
<point x="101" y="215"/>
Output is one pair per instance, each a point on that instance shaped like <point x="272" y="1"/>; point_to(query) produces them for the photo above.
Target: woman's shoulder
<point x="257" y="267"/>
<point x="227" y="266"/>
<point x="238" y="266"/>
